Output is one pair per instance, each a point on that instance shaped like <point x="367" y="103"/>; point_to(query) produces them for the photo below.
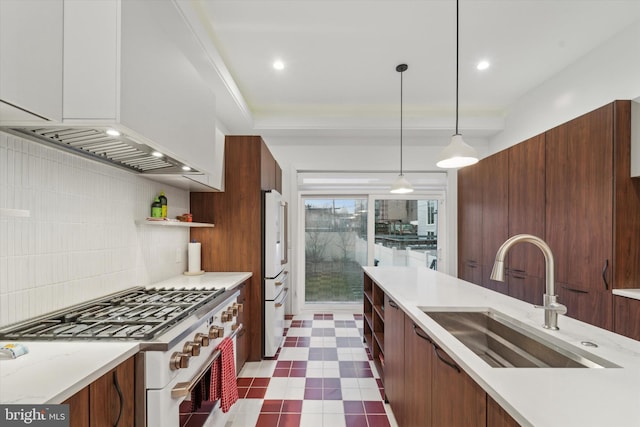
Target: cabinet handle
<point x="393" y="304"/>
<point x="415" y="330"/>
<point x="577" y="291"/>
<point x="120" y="396"/>
<point x="445" y="361"/>
<point x="604" y="274"/>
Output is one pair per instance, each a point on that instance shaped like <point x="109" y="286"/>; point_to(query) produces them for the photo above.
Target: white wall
<point x="608" y="73"/>
<point x="80" y="241"/>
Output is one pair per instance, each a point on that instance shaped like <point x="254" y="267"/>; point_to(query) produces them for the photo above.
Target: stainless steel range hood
<point x="121" y="151"/>
<point x="96" y="144"/>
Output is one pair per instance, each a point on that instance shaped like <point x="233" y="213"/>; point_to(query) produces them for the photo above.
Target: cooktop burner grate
<point x="138" y="314"/>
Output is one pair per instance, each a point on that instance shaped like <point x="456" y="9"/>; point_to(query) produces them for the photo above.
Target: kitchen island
<point x="53" y="371"/>
<point x="538" y="397"/>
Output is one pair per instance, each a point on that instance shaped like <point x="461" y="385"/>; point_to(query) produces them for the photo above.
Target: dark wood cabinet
<point x="374" y="323"/>
<point x="570" y="186"/>
<point x="242" y="345"/>
<point x="456" y="400"/>
<point x="108" y="401"/>
<point x="79" y="408"/>
<point x="497" y="416"/>
<point x="525" y="263"/>
<point x="234" y="244"/>
<point x="579" y="213"/>
<point x="495" y="209"/>
<point x="418" y="360"/>
<point x="394" y="353"/>
<point x="470" y="224"/>
<point x="626" y="317"/>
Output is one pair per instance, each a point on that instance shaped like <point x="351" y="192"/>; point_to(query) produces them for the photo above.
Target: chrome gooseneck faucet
<point x="550" y="305"/>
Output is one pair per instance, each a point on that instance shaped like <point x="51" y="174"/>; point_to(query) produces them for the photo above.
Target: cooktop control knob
<point x="192" y="348"/>
<point x="225" y="317"/>
<point x="216" y="332"/>
<point x="237" y="308"/>
<point x="179" y="361"/>
<point x="202" y="339"/>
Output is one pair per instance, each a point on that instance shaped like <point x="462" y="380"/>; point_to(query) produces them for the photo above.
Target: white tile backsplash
<point x="81" y="240"/>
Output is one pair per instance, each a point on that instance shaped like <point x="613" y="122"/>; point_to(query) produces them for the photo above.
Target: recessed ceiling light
<point x="186" y="168"/>
<point x="278" y="65"/>
<point x="483" y="65"/>
<point x="112" y="132"/>
<point x="157" y="154"/>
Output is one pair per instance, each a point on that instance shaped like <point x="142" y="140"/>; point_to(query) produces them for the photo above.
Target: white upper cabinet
<point x="137" y="64"/>
<point x="31" y="60"/>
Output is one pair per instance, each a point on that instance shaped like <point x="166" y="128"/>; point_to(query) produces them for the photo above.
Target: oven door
<point x="274" y="323"/>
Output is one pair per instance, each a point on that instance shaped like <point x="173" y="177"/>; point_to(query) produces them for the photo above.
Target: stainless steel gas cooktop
<point x="135" y="314"/>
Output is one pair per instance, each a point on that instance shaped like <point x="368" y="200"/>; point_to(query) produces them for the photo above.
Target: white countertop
<point x="629" y="293"/>
<point x="541" y="397"/>
<point x="53" y="371"/>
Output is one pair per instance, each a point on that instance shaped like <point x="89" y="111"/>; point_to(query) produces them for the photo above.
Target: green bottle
<point x="156" y="208"/>
<point x="163" y="202"/>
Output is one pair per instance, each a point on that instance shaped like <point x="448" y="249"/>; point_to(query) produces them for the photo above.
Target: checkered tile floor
<point x="322" y="376"/>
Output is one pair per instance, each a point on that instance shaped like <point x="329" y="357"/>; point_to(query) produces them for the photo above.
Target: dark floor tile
<point x="298" y="373"/>
<point x="312" y="394"/>
<point x="378" y="420"/>
<point x="313" y="383"/>
<point x="244" y="382"/>
<point x="260" y="382"/>
<point x="292" y="406"/>
<point x="373" y="407"/>
<point x="298" y="364"/>
<point x="256" y="393"/>
<point x="353" y="407"/>
<point x="331" y="394"/>
<point x="281" y="372"/>
<point x="355" y="420"/>
<point x="273" y="406"/>
<point x="289" y="420"/>
<point x="331" y="383"/>
<point x="196" y="420"/>
<point x="268" y="420"/>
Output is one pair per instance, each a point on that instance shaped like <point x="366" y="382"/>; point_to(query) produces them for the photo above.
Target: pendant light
<point x="401" y="185"/>
<point x="458" y="153"/>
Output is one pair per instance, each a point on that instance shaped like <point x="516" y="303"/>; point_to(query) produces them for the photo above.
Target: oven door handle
<point x="282" y="299"/>
<point x="283" y="280"/>
<point x="184" y="389"/>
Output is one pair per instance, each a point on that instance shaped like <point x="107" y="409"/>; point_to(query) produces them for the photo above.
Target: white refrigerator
<point x="275" y="276"/>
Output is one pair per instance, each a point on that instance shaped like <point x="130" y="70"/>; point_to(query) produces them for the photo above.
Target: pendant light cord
<point x="401" y="73"/>
<point x="401" y="69"/>
<point x="457" y="56"/>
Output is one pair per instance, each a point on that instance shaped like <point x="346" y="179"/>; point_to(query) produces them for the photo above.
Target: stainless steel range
<point x="178" y="331"/>
<point x="137" y="314"/>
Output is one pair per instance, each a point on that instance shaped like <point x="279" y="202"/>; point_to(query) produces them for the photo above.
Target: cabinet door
<point x="627" y="317"/>
<point x="579" y="187"/>
<point x="592" y="306"/>
<point x="31" y="56"/>
<point x="418" y="353"/>
<point x="525" y="262"/>
<point x="394" y="351"/>
<point x="456" y="400"/>
<point x="267" y="168"/>
<point x="497" y="416"/>
<point x="495" y="184"/>
<point x="470" y="224"/>
<point x="579" y="212"/>
<point x="112" y="397"/>
<point x="242" y="350"/>
<point x="79" y="408"/>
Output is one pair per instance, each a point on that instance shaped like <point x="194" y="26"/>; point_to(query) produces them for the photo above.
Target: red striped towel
<point x="223" y="376"/>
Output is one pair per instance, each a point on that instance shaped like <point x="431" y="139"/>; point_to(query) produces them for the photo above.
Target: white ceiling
<point x="341" y="55"/>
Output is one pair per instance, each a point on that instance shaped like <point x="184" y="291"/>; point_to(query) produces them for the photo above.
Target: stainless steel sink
<point x="503" y="342"/>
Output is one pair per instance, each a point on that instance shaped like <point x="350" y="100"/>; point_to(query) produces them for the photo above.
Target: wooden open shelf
<point x="373" y="324"/>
